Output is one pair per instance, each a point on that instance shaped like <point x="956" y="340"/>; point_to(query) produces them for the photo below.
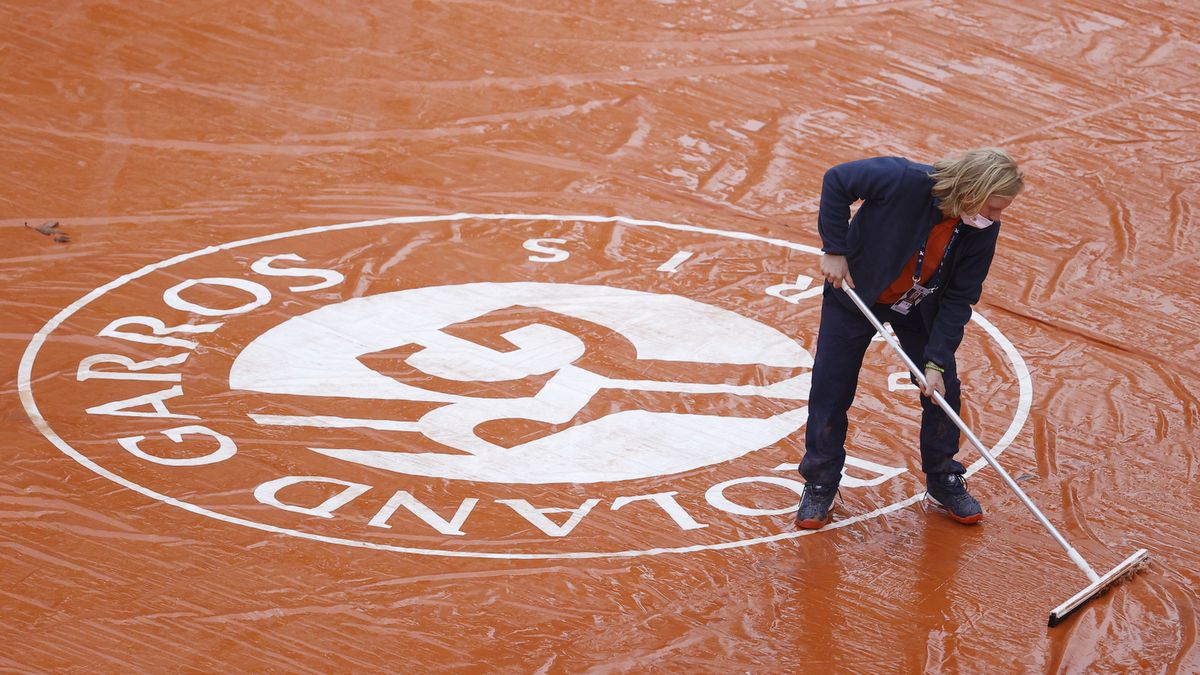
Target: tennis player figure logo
<point x="535" y="382"/>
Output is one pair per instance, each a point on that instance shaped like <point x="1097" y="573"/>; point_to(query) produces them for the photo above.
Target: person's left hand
<point x="934" y="382"/>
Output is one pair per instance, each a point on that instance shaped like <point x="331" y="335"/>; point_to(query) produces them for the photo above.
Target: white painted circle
<point x="24" y="384"/>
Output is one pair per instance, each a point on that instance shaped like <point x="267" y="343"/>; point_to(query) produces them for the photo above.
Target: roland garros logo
<point x="478" y="385"/>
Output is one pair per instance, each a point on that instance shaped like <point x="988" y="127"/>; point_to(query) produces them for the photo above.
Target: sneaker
<point x="815" y="506"/>
<point x="949" y="490"/>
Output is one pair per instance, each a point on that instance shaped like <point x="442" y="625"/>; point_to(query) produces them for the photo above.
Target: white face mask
<point x="977" y="221"/>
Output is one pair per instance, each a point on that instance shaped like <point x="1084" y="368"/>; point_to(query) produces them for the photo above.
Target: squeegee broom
<point x="1098" y="584"/>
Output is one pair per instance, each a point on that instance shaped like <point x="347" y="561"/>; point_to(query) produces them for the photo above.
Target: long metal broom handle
<point x="937" y="397"/>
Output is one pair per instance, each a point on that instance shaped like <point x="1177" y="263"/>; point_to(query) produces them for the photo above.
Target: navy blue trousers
<point x="842" y="342"/>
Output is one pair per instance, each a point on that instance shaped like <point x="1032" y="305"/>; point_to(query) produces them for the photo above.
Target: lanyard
<point x="945" y="254"/>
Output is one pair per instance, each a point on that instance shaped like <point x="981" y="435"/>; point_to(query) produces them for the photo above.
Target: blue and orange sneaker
<point x="815" y="506"/>
<point x="949" y="491"/>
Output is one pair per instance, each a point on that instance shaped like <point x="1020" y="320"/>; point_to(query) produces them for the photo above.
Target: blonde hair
<point x="965" y="182"/>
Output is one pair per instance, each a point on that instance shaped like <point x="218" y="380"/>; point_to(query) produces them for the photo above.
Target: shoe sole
<point x="814" y="524"/>
<point x="965" y="520"/>
<point x="969" y="520"/>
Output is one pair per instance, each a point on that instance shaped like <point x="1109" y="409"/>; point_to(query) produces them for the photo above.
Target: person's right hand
<point x="836" y="270"/>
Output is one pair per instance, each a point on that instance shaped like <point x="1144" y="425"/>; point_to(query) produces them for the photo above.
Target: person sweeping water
<point x="917" y="252"/>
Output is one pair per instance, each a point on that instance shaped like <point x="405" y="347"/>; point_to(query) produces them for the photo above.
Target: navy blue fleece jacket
<point x="895" y="218"/>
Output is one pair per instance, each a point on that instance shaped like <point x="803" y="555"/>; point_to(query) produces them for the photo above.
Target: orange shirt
<point x="935" y="248"/>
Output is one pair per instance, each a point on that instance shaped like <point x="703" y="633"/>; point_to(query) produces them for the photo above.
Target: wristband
<point x="930" y="365"/>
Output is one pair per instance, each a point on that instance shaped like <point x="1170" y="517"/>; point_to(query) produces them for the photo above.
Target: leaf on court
<point x="50" y="229"/>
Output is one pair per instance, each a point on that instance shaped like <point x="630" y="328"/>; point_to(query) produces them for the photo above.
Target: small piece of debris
<point x="50" y="229"/>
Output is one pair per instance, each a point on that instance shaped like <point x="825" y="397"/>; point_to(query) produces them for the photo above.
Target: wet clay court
<point x="474" y="336"/>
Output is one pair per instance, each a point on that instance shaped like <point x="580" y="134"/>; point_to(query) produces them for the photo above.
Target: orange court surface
<point x="476" y="336"/>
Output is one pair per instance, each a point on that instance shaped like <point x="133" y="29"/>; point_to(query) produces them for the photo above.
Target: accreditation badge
<point x="911" y="298"/>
